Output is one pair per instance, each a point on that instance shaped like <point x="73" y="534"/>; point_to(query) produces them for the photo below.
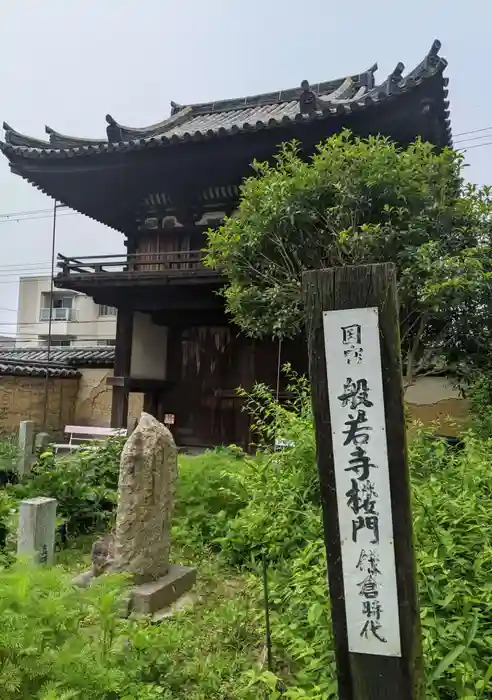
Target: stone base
<point x="149" y="598"/>
<point x="84" y="579"/>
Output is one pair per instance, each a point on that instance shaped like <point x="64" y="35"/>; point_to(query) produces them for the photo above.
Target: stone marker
<point x="26" y="447"/>
<point x="37" y="527"/>
<point x="148" y="470"/>
<point x="142" y="540"/>
<point x="42" y="442"/>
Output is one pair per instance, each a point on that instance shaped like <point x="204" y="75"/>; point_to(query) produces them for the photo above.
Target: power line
<point x="19" y="271"/>
<point x="12" y="279"/>
<point x="34" y="334"/>
<point x="473" y="138"/>
<point x="20" y="219"/>
<point x="473" y="131"/>
<point x="476" y="145"/>
<point x="41" y="263"/>
<point x="42" y="323"/>
<point x="42" y="336"/>
<point x="22" y="212"/>
<point x="87" y="338"/>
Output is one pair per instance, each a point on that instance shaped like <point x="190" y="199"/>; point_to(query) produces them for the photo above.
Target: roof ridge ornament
<point x="395" y="78"/>
<point x="435" y="48"/>
<point x="15" y="138"/>
<point x="432" y="59"/>
<point x="7" y="128"/>
<point x="308" y="101"/>
<point x="370" y="79"/>
<point x="175" y="107"/>
<point x="59" y="140"/>
<point x="113" y="130"/>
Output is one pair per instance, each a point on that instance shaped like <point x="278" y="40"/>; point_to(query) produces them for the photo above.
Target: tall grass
<point x="231" y="510"/>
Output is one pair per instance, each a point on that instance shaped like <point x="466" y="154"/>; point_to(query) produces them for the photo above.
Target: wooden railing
<point x="176" y="262"/>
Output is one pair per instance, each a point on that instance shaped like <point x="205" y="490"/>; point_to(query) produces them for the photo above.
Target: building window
<point x="107" y="341"/>
<point x="105" y="310"/>
<point x="58" y="306"/>
<point x="55" y="342"/>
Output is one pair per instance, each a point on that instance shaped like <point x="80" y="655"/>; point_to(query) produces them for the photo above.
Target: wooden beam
<point x="198" y="317"/>
<point x="139" y="384"/>
<point x="367" y="673"/>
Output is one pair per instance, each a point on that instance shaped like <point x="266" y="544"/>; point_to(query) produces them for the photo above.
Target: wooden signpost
<point x="355" y="369"/>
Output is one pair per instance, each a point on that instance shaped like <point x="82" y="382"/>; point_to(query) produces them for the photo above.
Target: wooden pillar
<point x="154" y="403"/>
<point x="151" y="403"/>
<point x="122" y="366"/>
<point x="161" y="406"/>
<point x="356" y="381"/>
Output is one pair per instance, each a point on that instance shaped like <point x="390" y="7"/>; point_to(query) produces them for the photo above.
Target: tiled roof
<point x="227" y="117"/>
<point x="70" y="357"/>
<point x="27" y="369"/>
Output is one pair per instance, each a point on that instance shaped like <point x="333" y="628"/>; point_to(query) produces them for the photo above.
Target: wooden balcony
<point x="183" y="267"/>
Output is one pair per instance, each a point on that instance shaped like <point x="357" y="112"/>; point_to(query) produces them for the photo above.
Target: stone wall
<point x="93" y="405"/>
<point x="87" y="401"/>
<point x="23" y="398"/>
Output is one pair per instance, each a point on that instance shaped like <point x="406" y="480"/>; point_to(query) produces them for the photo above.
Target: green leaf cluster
<point x="84" y="484"/>
<point x="355" y="202"/>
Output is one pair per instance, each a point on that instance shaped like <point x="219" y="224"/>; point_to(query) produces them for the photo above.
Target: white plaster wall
<point x="28" y="306"/>
<point x="149" y="348"/>
<point x="89" y="327"/>
<point x="431" y="390"/>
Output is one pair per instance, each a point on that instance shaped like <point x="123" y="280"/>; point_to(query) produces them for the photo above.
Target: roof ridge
<point x="61" y="356"/>
<point x="278" y="96"/>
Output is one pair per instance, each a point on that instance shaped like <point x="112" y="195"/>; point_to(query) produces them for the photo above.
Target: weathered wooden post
<point x="355" y="369"/>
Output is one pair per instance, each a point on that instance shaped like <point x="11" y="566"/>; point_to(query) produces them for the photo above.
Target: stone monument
<point x="148" y="471"/>
<point x="37" y="528"/>
<point x="141" y="542"/>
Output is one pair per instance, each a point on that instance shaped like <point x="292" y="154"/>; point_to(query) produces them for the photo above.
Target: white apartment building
<point x="75" y="319"/>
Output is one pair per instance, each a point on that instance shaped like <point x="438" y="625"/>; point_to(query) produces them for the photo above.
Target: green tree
<point x="363" y="201"/>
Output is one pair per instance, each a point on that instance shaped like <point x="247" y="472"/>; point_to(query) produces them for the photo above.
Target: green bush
<point x="209" y="495"/>
<point x="57" y="643"/>
<point x="452" y="509"/>
<point x="280" y="486"/>
<point x="479" y="394"/>
<point x="9" y="453"/>
<point x="84" y="484"/>
<point x="8" y="507"/>
<point x="60" y="643"/>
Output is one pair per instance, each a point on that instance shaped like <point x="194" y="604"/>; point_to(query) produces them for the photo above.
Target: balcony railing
<point x="57" y="314"/>
<point x="179" y="263"/>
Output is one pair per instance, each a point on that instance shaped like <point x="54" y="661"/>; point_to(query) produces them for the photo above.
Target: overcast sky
<point x="66" y="63"/>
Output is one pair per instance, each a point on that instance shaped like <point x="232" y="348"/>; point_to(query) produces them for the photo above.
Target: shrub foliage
<point x="58" y="644"/>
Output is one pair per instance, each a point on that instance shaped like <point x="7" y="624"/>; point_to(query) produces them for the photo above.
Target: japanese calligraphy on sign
<point x="43" y="554"/>
<point x="355" y="392"/>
